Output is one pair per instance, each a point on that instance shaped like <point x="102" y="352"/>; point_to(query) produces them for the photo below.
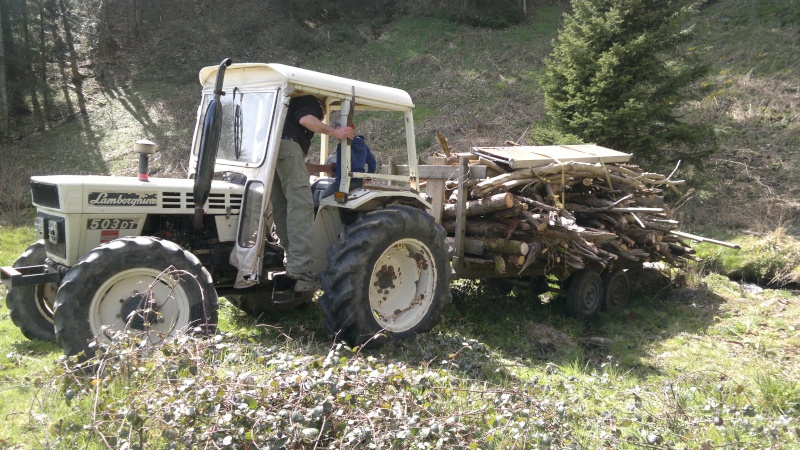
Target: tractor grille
<point x="216" y="202"/>
<point x="47" y="195"/>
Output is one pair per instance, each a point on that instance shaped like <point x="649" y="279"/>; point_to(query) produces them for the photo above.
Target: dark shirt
<point x="300" y="107"/>
<point x="361" y="157"/>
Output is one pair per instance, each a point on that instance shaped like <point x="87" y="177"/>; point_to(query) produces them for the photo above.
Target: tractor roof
<point x="259" y="75"/>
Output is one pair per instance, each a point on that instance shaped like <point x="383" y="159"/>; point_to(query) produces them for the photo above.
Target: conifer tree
<point x="619" y="72"/>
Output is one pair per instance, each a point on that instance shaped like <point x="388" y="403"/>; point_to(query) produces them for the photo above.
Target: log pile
<point x="567" y="216"/>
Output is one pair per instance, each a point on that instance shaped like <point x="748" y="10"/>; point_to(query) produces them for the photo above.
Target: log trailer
<point x="151" y="255"/>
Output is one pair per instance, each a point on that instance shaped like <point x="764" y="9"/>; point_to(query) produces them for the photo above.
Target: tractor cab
<point x="242" y="112"/>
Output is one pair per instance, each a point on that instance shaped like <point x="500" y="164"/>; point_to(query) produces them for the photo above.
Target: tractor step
<point x="25" y="276"/>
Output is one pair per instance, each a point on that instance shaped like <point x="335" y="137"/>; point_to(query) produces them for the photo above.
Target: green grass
<point x="689" y="367"/>
<point x="770" y="257"/>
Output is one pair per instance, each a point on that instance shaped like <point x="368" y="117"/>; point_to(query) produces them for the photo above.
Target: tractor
<point x="152" y="255"/>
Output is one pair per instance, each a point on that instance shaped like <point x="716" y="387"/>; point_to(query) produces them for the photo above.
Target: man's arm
<point x="317" y="126"/>
<point x="319" y="168"/>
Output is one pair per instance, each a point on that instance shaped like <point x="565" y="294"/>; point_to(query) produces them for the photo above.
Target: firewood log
<point x="482" y="206"/>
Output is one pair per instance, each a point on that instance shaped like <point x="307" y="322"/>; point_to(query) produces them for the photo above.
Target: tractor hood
<point x="70" y="194"/>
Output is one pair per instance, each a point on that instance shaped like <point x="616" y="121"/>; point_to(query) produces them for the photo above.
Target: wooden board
<point x="522" y="157"/>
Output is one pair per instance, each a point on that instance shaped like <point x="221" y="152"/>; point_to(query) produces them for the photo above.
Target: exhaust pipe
<point x="144" y="148"/>
<point x="209" y="144"/>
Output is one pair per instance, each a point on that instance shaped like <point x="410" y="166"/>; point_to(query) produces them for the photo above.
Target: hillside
<point x="476" y="85"/>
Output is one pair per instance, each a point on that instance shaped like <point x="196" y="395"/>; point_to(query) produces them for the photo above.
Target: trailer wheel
<point x="390" y="273"/>
<point x="105" y="291"/>
<point x="31" y="307"/>
<point x="584" y="294"/>
<point x="617" y="290"/>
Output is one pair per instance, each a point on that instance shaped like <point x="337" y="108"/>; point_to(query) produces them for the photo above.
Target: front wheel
<point x="390" y="273"/>
<point x="135" y="284"/>
<point x="31" y="306"/>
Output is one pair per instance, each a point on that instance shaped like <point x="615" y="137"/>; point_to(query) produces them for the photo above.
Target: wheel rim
<point x="45" y="296"/>
<point x="122" y="294"/>
<point x="616" y="291"/>
<point x="402" y="285"/>
<point x="590" y="297"/>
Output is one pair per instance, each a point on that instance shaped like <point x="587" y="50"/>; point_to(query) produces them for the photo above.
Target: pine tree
<point x="619" y="72"/>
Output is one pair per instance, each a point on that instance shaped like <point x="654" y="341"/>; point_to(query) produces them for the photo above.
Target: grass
<point x="704" y="367"/>
<point x="771" y="257"/>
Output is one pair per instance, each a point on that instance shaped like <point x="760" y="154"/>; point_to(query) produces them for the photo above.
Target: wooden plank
<point x="427" y="172"/>
<point x="392" y="168"/>
<point x="521" y="157"/>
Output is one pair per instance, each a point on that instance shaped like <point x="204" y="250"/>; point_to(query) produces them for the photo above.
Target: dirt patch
<point x="548" y="340"/>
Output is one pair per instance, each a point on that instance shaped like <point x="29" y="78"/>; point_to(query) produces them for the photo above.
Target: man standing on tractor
<point x="292" y="203"/>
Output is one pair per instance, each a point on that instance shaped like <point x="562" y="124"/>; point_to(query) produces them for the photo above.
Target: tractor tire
<point x="105" y="292"/>
<point x="584" y="294"/>
<point x="390" y="274"/>
<point x="617" y="289"/>
<point x="31" y="307"/>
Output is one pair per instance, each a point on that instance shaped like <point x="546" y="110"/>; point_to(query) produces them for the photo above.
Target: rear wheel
<point x="617" y="289"/>
<point x="390" y="273"/>
<point x="31" y="307"/>
<point x="109" y="290"/>
<point x="584" y="294"/>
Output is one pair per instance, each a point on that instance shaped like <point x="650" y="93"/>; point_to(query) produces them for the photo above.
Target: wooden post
<point x="461" y="214"/>
<point x="435" y="188"/>
<point x="392" y="168"/>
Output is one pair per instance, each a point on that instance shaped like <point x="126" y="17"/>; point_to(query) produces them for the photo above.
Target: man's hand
<point x="343" y="133"/>
<point x="317" y="126"/>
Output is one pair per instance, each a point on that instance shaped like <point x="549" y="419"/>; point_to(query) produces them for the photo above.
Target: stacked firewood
<point x="569" y="215"/>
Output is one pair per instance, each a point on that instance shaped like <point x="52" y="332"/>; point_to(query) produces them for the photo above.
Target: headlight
<point x="38" y="227"/>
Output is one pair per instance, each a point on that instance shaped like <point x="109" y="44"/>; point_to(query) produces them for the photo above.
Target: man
<point x="292" y="204"/>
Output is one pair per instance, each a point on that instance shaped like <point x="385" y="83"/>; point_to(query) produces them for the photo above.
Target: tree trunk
<point x="77" y="78"/>
<point x="30" y="77"/>
<point x="104" y="40"/>
<point x="46" y="103"/>
<point x="14" y="76"/>
<point x="3" y="92"/>
<point x="59" y="48"/>
<point x="137" y="13"/>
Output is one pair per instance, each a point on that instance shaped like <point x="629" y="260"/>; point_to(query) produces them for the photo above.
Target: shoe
<point x="309" y="276"/>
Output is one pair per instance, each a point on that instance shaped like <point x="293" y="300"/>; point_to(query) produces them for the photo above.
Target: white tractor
<point x="152" y="255"/>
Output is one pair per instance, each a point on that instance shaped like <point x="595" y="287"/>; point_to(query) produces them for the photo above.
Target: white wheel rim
<point x="45" y="295"/>
<point x="401" y="287"/>
<point x="170" y="298"/>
